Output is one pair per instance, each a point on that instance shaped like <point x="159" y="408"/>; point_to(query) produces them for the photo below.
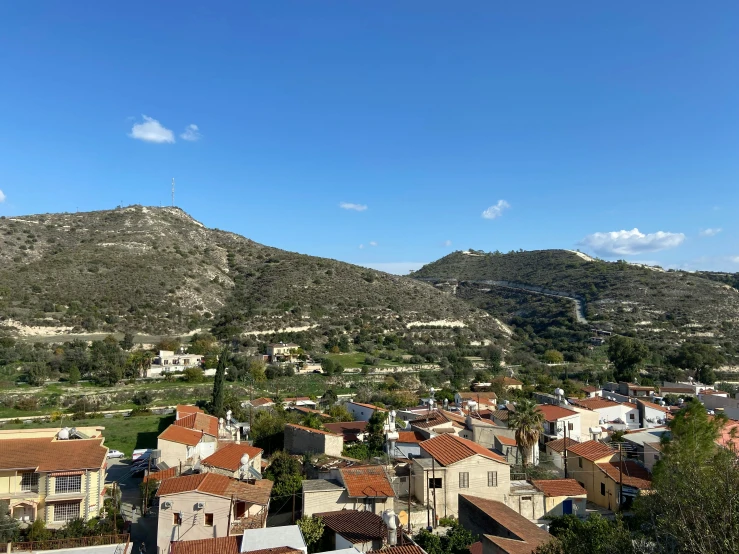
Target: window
<point x="579" y="462"/>
<point x="65" y="511"/>
<point x="435" y="483"/>
<point x="631" y="416"/>
<point x="570" y="426"/>
<point x="369" y="504"/>
<point x="209" y="520"/>
<point x="29" y="482"/>
<point x="464" y="480"/>
<point x="177" y="518"/>
<point x="603" y="489"/>
<point x="68" y="484"/>
<point x="492" y="478"/>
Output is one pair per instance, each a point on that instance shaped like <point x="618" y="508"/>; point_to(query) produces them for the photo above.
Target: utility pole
<point x="115" y="511"/>
<point x="293" y="507"/>
<point x="428" y="494"/>
<point x="620" y="475"/>
<point x="145" y="503"/>
<point x="410" y="487"/>
<point x="565" y="451"/>
<point x="433" y="475"/>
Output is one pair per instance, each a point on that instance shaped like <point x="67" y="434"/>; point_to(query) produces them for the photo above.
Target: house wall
<point x="193" y="521"/>
<point x="173" y="452"/>
<point x="713" y="402"/>
<point x="554" y="505"/>
<point x="531" y="506"/>
<point x="300" y="441"/>
<point x="255" y="462"/>
<point x="651" y="456"/>
<point x="325" y="501"/>
<point x="591" y="478"/>
<point x="360" y="413"/>
<point x="575" y="433"/>
<point x="648" y="413"/>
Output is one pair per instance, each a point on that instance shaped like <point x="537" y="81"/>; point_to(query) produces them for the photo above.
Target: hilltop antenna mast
<point x="173" y="192"/>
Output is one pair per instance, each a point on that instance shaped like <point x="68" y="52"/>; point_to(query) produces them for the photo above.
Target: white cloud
<point x="151" y="131"/>
<point x="2" y="197"/>
<point x="709" y="232"/>
<point x="735" y="259"/>
<point x="397" y="268"/>
<point x="350" y="206"/>
<point x="627" y="243"/>
<point x="361" y="246"/>
<point x="447" y="243"/>
<point x="192" y="133"/>
<point x="496" y="210"/>
<point x="373" y="243"/>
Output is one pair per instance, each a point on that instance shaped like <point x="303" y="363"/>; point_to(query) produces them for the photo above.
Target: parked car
<point x="115" y="454"/>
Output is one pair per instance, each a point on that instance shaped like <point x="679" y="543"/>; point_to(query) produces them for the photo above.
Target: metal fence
<point x="79" y="542"/>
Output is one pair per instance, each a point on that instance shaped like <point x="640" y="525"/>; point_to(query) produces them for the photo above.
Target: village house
<point x="636" y="441"/>
<point x="184" y="410"/>
<point x="476" y="401"/>
<point x="591" y="392"/>
<point x="53" y="474"/>
<point x="627" y="477"/>
<point x="189" y="439"/>
<point x="282" y="352"/>
<point x="583" y="460"/>
<point x="562" y="497"/>
<point x="303" y="440"/>
<point x="507" y="447"/>
<point x="554" y="451"/>
<point x="558" y="422"/>
<point x="362" y="488"/>
<point x="630" y="390"/>
<point x="618" y="415"/>
<point x="408" y="444"/>
<point x="209" y="505"/>
<point x="228" y="459"/>
<point x="362" y="412"/>
<point x="260" y="403"/>
<point x="285" y="539"/>
<point x="508" y="383"/>
<point x="168" y="361"/>
<point x="503" y="530"/>
<point x="437" y="422"/>
<point x="450" y="465"/>
<point x="352" y="431"/>
<point x="651" y="414"/>
<point x="298" y="401"/>
<point x="363" y="530"/>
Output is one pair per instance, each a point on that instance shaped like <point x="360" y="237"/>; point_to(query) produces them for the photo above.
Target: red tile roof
<point x="481" y="397"/>
<point x="370" y="406"/>
<point x="257" y="402"/>
<point x="450" y="449"/>
<point x="186" y="409"/>
<point x="512" y="546"/>
<point x="311" y="430"/>
<point x="594" y="403"/>
<point x="410" y="437"/>
<point x="220" y="545"/>
<point x="402" y="549"/>
<point x="276" y="550"/>
<point x="366" y="482"/>
<point x="515" y="523"/>
<point x="475" y="547"/>
<point x="553" y="413"/>
<point x="438" y="418"/>
<point x="218" y="485"/>
<point x="47" y="454"/>
<point x="653" y="406"/>
<point x="356" y="527"/>
<point x="199" y="422"/>
<point x="350" y="429"/>
<point x="502" y="415"/>
<point x="508" y="441"/>
<point x="229" y="456"/>
<point x="182" y="435"/>
<point x="162" y="475"/>
<point x="591" y="450"/>
<point x="560" y="487"/>
<point x="559" y="444"/>
<point x="634" y="475"/>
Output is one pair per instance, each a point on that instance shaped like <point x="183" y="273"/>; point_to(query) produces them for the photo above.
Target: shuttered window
<point x="464" y="480"/>
<point x="492" y="478"/>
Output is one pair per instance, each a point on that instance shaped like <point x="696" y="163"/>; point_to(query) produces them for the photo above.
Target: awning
<point x="66" y="473"/>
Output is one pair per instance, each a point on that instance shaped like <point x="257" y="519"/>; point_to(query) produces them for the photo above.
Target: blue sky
<point x="569" y="125"/>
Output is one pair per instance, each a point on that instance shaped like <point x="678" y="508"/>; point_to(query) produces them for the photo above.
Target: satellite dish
<point x="63" y="434"/>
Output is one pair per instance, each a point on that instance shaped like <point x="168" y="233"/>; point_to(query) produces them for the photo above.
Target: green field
<point x="124" y="434"/>
<point x="356" y="359"/>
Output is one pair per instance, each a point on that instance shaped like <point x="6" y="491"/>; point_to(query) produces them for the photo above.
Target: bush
<point x="142" y="398"/>
<point x="193" y="375"/>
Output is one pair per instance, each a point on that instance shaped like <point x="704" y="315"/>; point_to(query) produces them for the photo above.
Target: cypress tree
<point x="219" y="385"/>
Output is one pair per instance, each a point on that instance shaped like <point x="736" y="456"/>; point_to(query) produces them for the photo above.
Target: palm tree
<point x="527" y="421"/>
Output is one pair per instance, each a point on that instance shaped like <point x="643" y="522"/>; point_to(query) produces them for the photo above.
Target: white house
<point x="558" y="421"/>
<point x="362" y="412"/>
<point x="621" y="415"/>
<point x="652" y="415"/>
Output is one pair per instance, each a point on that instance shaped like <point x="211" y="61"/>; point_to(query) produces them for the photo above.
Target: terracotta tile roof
<point x="512" y="546"/>
<point x="48" y="454"/>
<point x="162" y="475"/>
<point x="370" y="406"/>
<point x="560" y="487"/>
<point x="199" y="422"/>
<point x="356" y="527"/>
<point x="589" y="388"/>
<point x="402" y="549"/>
<point x="653" y="406"/>
<point x="716" y="392"/>
<point x="475" y="547"/>
<point x="594" y="403"/>
<point x="677" y="390"/>
<point x="220" y="545"/>
<point x="438" y="418"/>
<point x="410" y="437"/>
<point x="366" y="482"/>
<point x="218" y="485"/>
<point x="507" y="381"/>
<point x="591" y="450"/>
<point x="276" y="550"/>
<point x="729" y="435"/>
<point x="296" y="399"/>
<point x="450" y="449"/>
<point x="229" y="456"/>
<point x="182" y="435"/>
<point x="634" y="475"/>
<point x="553" y="413"/>
<point x="508" y="441"/>
<point x="559" y="444"/>
<point x="257" y="402"/>
<point x="306" y="410"/>
<point x="311" y="430"/>
<point x="515" y="523"/>
<point x="502" y="415"/>
<point x="350" y="429"/>
<point x="484" y="397"/>
<point x="187" y="409"/>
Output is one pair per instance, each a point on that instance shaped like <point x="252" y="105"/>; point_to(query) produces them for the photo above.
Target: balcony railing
<point x="81" y="542"/>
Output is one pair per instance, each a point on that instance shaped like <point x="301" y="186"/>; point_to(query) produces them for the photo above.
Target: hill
<point x="158" y="271"/>
<point x="651" y="303"/>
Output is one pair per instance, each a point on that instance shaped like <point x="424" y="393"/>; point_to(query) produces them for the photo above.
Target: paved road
<point x="143" y="529"/>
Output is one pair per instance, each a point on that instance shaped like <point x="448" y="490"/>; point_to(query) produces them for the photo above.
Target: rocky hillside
<point x="657" y="305"/>
<point x="157" y="271"/>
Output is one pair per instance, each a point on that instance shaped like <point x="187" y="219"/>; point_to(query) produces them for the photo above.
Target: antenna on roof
<point x="173" y="192"/>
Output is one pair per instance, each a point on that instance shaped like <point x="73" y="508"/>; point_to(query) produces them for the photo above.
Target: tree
<point x="37" y="531"/>
<point x="527" y="421"/>
<point x="327" y="365"/>
<point x="127" y="342"/>
<point x="193" y="375"/>
<point x="553" y="357"/>
<point x="286" y="473"/>
<point x="74" y="375"/>
<point x="626" y="354"/>
<point x="219" y="385"/>
<point x="312" y="530"/>
<point x="376" y="432"/>
<point x="142" y="398"/>
<point x="329" y="398"/>
<point x="456" y="541"/>
<point x="256" y="369"/>
<point x="701" y="357"/>
<point x="9" y="526"/>
<point x="595" y="535"/>
<point x="314" y="421"/>
<point x="340" y="413"/>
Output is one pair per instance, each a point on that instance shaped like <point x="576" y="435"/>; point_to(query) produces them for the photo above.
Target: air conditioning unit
<point x="200" y="505"/>
<point x="166" y="505"/>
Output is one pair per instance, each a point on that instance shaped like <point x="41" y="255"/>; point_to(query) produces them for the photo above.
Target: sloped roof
<point x="595" y="403"/>
<point x="276" y="550"/>
<point x="47" y="454"/>
<point x="450" y="449"/>
<point x="356" y="527"/>
<point x="508" y="441"/>
<point x="311" y="430"/>
<point x="162" y="475"/>
<point x="199" y="422"/>
<point x="475" y="547"/>
<point x="559" y="444"/>
<point x="218" y="485"/>
<point x="410" y="437"/>
<point x="501" y="414"/>
<point x="515" y="523"/>
<point x="366" y="482"/>
<point x="350" y="429"/>
<point x="182" y="435"/>
<point x="402" y="549"/>
<point x="591" y="450"/>
<point x="484" y="397"/>
<point x="438" y="418"/>
<point x="634" y="475"/>
<point x="370" y="406"/>
<point x="553" y="413"/>
<point x="653" y="406"/>
<point x="257" y="402"/>
<point x="560" y="487"/>
<point x="186" y="409"/>
<point x="229" y="456"/>
<point x="220" y="545"/>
